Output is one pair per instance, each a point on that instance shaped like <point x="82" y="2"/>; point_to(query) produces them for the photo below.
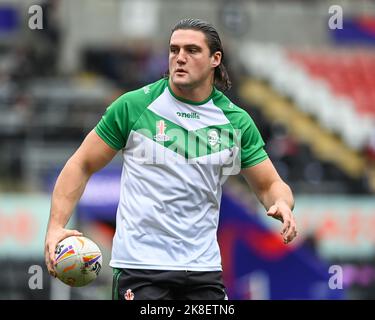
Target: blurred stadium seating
<point x="310" y="90"/>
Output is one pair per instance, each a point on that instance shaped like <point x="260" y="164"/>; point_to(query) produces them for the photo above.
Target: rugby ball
<point x="78" y="261"/>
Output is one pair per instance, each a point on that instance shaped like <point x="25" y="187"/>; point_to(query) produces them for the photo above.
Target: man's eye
<point x="193" y="50"/>
<point x="173" y="50"/>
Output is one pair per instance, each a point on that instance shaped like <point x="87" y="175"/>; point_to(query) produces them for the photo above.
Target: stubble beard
<point x="188" y="83"/>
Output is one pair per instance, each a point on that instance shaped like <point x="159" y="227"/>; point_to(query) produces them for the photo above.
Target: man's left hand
<point x="282" y="212"/>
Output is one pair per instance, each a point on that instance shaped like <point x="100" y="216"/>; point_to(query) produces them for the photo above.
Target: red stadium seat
<point x="348" y="74"/>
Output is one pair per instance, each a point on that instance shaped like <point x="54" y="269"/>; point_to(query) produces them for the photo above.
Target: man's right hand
<point x="53" y="237"/>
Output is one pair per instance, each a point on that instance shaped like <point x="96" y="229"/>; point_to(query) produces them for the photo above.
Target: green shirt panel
<point x="119" y="118"/>
<point x="252" y="144"/>
<point x="189" y="144"/>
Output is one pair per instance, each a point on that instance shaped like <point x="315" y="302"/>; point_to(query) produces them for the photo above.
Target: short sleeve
<point x="113" y="127"/>
<point x="252" y="144"/>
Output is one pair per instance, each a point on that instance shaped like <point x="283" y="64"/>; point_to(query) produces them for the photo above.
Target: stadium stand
<point x="298" y="88"/>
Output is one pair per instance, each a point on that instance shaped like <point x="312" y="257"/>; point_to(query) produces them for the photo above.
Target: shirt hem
<point x="99" y="131"/>
<point x="251" y="164"/>
<point x="124" y="265"/>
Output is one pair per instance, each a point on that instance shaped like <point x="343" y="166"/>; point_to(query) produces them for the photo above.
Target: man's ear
<point x="216" y="59"/>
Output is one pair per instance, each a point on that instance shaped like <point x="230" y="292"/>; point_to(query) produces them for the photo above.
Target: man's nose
<point x="181" y="58"/>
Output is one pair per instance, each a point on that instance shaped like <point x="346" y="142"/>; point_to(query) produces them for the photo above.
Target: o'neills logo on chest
<point x="191" y="115"/>
<point x="160" y="129"/>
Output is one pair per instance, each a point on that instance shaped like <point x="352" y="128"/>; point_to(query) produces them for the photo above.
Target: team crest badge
<point x="129" y="295"/>
<point x="160" y="129"/>
<point x="213" y="137"/>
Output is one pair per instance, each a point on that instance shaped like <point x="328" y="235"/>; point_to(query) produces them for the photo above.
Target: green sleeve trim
<point x="248" y="164"/>
<point x="102" y="134"/>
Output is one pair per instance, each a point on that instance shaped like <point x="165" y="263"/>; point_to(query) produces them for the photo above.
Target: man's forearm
<point x="69" y="188"/>
<point x="278" y="192"/>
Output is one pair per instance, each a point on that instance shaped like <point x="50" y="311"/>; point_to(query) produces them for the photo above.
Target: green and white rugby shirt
<point x="177" y="154"/>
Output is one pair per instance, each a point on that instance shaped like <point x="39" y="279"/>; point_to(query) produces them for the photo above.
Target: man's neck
<point x="196" y="94"/>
